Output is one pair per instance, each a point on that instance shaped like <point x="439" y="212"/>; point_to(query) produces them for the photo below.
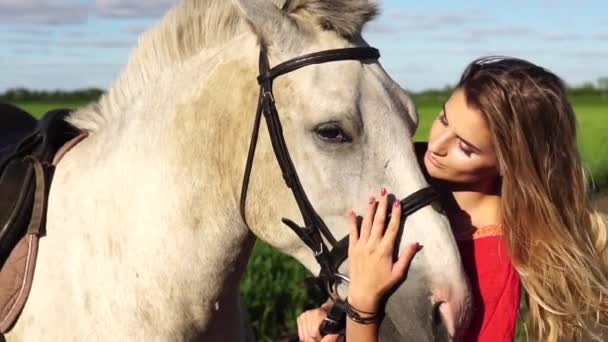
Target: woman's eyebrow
<point x="445" y="117"/>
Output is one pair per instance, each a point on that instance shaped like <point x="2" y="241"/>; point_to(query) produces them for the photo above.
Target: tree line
<point x="27" y="95"/>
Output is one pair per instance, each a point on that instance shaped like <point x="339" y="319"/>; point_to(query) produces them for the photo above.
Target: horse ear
<point x="267" y="18"/>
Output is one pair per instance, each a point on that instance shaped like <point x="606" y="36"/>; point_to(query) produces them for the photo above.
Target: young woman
<point x="504" y="150"/>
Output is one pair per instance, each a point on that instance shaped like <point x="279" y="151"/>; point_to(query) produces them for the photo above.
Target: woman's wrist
<point x="363" y="301"/>
<point x="360" y="316"/>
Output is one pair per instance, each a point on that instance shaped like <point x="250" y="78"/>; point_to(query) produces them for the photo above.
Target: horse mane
<point x="194" y="25"/>
<point x="346" y="17"/>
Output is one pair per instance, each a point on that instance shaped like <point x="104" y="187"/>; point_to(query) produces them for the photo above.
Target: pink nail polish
<point x="372" y="199"/>
<point x="396" y="204"/>
<point x="383" y="191"/>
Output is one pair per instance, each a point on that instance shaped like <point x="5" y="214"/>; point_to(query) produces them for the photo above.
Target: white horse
<point x="144" y="237"/>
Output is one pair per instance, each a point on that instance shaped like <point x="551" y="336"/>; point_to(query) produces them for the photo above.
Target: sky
<point x="69" y="44"/>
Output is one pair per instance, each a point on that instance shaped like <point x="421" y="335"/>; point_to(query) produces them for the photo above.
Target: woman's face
<point x="460" y="146"/>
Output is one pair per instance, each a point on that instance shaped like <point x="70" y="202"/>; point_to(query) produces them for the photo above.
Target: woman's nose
<point x="439" y="144"/>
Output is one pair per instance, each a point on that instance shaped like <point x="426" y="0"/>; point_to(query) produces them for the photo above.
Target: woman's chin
<point x="440" y="174"/>
<point x="433" y="170"/>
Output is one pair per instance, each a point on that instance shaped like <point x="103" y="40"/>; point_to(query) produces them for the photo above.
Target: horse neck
<point x="184" y="140"/>
<point x="217" y="122"/>
<point x="204" y="142"/>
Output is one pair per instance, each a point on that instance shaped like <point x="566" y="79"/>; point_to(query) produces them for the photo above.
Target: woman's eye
<point x="332" y="134"/>
<point x="442" y="119"/>
<point x="467" y="151"/>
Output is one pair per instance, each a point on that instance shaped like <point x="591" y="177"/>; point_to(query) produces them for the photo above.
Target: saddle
<point x="29" y="151"/>
<point x="27" y="148"/>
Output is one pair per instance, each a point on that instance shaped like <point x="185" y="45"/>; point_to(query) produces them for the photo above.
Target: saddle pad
<point x="16" y="280"/>
<point x="17" y="273"/>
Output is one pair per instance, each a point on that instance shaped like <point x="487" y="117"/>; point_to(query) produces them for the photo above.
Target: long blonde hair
<point x="557" y="241"/>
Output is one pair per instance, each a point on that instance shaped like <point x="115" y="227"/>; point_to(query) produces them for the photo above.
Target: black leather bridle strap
<point x="418" y="200"/>
<point x="319" y="58"/>
<point x="250" y="154"/>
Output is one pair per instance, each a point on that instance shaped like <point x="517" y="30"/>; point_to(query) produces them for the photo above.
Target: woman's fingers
<point x="300" y="323"/>
<point x="366" y="224"/>
<point x="388" y="240"/>
<point x="309" y="322"/>
<point x="304" y="326"/>
<point x="352" y="227"/>
<point x="330" y="338"/>
<point x="371" y="265"/>
<point x="379" y="217"/>
<point x="329" y="303"/>
<point x="400" y="267"/>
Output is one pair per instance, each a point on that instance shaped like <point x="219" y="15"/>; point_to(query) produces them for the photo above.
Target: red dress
<point x="494" y="284"/>
<point x="494" y="281"/>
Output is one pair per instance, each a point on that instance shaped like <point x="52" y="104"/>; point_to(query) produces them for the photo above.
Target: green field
<point x="39" y="108"/>
<point x="273" y="284"/>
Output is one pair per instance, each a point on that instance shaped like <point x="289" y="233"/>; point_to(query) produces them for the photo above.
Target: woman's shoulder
<point x="485" y="249"/>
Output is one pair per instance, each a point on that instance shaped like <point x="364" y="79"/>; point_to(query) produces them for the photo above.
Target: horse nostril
<point x="444" y="318"/>
<point x="448" y="312"/>
<point x="437" y="316"/>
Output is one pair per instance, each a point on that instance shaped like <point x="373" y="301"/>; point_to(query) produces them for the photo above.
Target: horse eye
<point x="332" y="133"/>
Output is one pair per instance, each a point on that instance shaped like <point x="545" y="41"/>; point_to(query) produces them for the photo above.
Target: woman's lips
<point x="434" y="161"/>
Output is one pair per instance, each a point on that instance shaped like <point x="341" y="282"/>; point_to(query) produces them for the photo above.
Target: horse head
<point x="348" y="128"/>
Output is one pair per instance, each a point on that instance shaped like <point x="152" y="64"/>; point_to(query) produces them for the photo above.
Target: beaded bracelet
<point x="360" y="316"/>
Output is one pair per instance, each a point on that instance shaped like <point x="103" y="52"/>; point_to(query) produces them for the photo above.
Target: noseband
<point x="314" y="229"/>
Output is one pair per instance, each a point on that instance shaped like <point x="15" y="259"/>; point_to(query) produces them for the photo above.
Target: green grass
<point x="275" y="292"/>
<point x="273" y="286"/>
<point x="593" y="138"/>
<point x="39" y="108"/>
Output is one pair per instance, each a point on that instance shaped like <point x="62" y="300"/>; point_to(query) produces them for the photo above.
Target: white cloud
<point x="588" y="54"/>
<point x="478" y="35"/>
<point x="135" y="29"/>
<point x="132" y="8"/>
<point x="563" y="36"/>
<point x="31" y="31"/>
<point x="60" y="75"/>
<point x="401" y="21"/>
<point x="24" y="51"/>
<point x="69" y="12"/>
<point x="43" y="12"/>
<point x="95" y="43"/>
<point x="601" y="36"/>
<point x="29" y="41"/>
<point x="502" y="31"/>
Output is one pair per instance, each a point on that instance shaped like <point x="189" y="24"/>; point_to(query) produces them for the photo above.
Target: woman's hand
<point x="370" y="252"/>
<point x="310" y="321"/>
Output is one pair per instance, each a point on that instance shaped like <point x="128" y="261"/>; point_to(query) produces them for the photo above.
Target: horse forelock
<point x="346" y="17"/>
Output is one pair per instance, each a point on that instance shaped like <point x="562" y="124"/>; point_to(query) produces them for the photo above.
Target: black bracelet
<point x="360" y="316"/>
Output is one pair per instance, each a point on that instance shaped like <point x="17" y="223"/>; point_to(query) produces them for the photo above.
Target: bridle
<point x="314" y="229"/>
